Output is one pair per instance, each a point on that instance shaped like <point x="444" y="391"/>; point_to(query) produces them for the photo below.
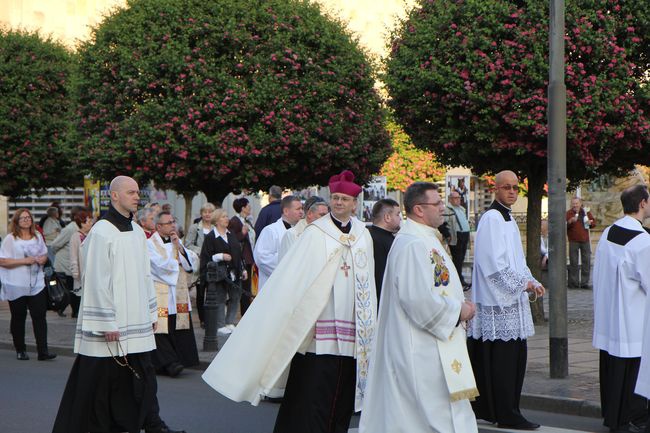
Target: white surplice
<point x="499" y="280"/>
<point x="116" y="296"/>
<point x="282" y="321"/>
<point x="621" y="279"/>
<point x="165" y="269"/>
<point x="267" y="249"/>
<point x="420" y="307"/>
<point x="291" y="236"/>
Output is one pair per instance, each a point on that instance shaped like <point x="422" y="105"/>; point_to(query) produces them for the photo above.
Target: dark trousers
<point x="319" y="397"/>
<point x="177" y="346"/>
<point x="499" y="368"/>
<point x="200" y="299"/>
<point x="37" y="306"/>
<point x="246" y="296"/>
<point x="228" y="295"/>
<point x="458" y="252"/>
<point x="583" y="249"/>
<point x="619" y="404"/>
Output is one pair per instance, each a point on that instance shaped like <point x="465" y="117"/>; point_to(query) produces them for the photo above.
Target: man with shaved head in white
<point x="498" y="332"/>
<point x="112" y="385"/>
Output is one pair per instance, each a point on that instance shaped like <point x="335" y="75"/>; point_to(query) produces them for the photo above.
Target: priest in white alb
<point x="420" y="377"/>
<point x="314" y="208"/>
<point x="112" y="385"/>
<point x="621" y="281"/>
<point x="171" y="268"/>
<point x="267" y="246"/>
<point x="314" y="321"/>
<point x="501" y="284"/>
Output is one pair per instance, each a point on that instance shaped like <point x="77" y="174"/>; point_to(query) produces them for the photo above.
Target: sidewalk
<point x="576" y="395"/>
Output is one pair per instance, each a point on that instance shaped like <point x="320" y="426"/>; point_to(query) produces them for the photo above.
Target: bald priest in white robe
<point x="498" y="333"/>
<point x="621" y="281"/>
<point x="420" y="377"/>
<point x="267" y="246"/>
<point x="315" y="320"/>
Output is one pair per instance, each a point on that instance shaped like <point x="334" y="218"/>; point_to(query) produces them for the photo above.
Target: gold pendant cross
<point x="345" y="268"/>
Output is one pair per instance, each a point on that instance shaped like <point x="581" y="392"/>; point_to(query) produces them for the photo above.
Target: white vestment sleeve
<point x="97" y="301"/>
<point x="266" y="252"/>
<point x="428" y="310"/>
<point x="191" y="262"/>
<point x="163" y="269"/>
<point x="504" y="281"/>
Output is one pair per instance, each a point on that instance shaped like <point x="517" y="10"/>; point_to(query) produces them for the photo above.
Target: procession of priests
<point x="424" y="359"/>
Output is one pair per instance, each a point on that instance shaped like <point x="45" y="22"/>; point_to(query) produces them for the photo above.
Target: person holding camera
<point x="22" y="256"/>
<point x="222" y="247"/>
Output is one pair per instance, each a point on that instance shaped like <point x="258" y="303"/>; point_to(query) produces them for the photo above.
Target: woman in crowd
<point x="222" y="246"/>
<point x="22" y="256"/>
<point x="51" y="225"/>
<point x="83" y="221"/>
<point x="194" y="241"/>
<point x="241" y="225"/>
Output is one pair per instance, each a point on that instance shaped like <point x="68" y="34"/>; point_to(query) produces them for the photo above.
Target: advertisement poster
<point x="372" y="192"/>
<point x="91" y="196"/>
<point x="460" y="184"/>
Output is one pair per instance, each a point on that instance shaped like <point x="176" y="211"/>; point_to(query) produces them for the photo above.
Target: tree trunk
<point x="536" y="180"/>
<point x="188" y="210"/>
<point x="215" y="195"/>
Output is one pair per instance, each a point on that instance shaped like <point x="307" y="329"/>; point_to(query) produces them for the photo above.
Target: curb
<point x="563" y="405"/>
<point x="544" y="403"/>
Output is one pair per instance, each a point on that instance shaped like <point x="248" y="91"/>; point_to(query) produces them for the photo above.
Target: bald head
<point x="125" y="195"/>
<point x="507" y="187"/>
<point x="505" y="176"/>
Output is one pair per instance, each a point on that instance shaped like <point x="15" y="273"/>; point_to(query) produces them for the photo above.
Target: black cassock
<point x="382" y="240"/>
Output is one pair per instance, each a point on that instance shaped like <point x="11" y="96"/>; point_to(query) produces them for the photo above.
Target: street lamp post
<point x="558" y="341"/>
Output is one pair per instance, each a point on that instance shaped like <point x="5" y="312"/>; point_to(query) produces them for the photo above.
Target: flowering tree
<point x="220" y="95"/>
<point x="468" y="80"/>
<point x="34" y="108"/>
<point x="408" y="164"/>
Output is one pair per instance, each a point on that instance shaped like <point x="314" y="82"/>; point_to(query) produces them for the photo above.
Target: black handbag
<point x="57" y="295"/>
<point x="216" y="272"/>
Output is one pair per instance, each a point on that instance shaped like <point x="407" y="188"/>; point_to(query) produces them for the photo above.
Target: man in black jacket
<point x="386" y="218"/>
<point x="271" y="212"/>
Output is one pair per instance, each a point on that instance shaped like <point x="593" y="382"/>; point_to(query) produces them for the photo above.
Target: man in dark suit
<point x="271" y="212"/>
<point x="386" y="218"/>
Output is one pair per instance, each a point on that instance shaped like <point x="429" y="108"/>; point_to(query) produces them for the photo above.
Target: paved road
<point x="31" y="391"/>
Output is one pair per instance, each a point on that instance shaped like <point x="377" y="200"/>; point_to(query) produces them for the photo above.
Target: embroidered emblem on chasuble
<point x="440" y="270"/>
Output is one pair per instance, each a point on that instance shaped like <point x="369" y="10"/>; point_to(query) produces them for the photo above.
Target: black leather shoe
<point x="526" y="425"/>
<point x="174" y="370"/>
<point x="630" y="428"/>
<point x="164" y="429"/>
<point x="22" y="356"/>
<point x="46" y="356"/>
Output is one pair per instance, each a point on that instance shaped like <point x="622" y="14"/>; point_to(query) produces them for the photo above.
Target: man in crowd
<point x="458" y="239"/>
<point x="112" y="385"/>
<point x="145" y="217"/>
<point x="621" y="282"/>
<point x="267" y="247"/>
<point x="386" y="219"/>
<point x="498" y="333"/>
<point x="420" y="379"/>
<point x="271" y="212"/>
<point x="578" y="223"/>
<point x="315" y="207"/>
<point x="171" y="268"/>
<point x="315" y="320"/>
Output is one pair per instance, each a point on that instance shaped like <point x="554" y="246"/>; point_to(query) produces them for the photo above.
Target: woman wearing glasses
<point x="22" y="256"/>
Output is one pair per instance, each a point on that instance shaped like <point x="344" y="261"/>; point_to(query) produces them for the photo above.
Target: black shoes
<point x="164" y="429"/>
<point x="630" y="428"/>
<point x="46" y="356"/>
<point x="526" y="425"/>
<point x="174" y="369"/>
<point x="22" y="356"/>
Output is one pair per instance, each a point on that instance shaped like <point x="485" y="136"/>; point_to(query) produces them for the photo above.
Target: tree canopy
<point x="216" y="96"/>
<point x="35" y="105"/>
